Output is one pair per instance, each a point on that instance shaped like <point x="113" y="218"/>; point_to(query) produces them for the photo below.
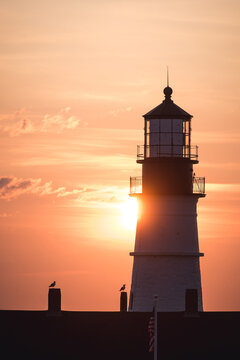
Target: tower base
<point x="173" y="275"/>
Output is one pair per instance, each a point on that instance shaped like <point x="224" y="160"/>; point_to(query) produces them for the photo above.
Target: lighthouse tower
<point x="166" y="254"/>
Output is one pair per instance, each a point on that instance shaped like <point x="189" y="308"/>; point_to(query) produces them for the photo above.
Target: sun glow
<point x="129" y="214"/>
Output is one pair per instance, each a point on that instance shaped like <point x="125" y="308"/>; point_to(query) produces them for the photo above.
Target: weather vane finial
<point x="167" y="77"/>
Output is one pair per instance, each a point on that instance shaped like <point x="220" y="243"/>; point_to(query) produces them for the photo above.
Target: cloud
<point x="16" y="123"/>
<point x="12" y="187"/>
<point x="4" y="181"/>
<point x="24" y="126"/>
<point x="59" y="122"/>
<point x="100" y="197"/>
<point x="22" y="122"/>
<point x="119" y="111"/>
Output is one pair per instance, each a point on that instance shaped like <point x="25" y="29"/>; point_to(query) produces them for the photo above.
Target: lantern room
<point x="167" y="131"/>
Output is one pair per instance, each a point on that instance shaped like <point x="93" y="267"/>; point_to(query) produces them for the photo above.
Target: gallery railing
<point x="176" y="151"/>
<point x="197" y="182"/>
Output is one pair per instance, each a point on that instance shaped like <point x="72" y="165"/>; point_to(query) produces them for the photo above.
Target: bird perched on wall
<point x="52" y="284"/>
<point x="123" y="287"/>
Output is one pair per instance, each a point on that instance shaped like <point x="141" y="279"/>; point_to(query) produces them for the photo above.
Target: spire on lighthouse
<point x="167" y="91"/>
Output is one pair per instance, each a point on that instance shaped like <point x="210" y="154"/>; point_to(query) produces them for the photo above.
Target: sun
<point x="129" y="211"/>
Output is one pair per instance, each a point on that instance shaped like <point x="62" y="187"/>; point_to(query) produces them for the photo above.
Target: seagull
<point x="52" y="284"/>
<point x="123" y="287"/>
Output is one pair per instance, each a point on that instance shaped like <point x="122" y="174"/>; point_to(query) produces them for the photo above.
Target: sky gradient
<point x="76" y="78"/>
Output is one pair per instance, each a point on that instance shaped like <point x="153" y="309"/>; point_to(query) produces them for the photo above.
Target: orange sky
<point x="76" y="76"/>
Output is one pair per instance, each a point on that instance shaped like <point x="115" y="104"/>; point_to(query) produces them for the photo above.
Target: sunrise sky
<point x="76" y="78"/>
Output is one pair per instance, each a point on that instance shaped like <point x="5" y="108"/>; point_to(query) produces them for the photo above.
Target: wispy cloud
<point x="222" y="187"/>
<point x="16" y="123"/>
<point x="116" y="112"/>
<point x="95" y="197"/>
<point x="100" y="97"/>
<point x="91" y="147"/>
<point x="100" y="162"/>
<point x="12" y="187"/>
<point x="103" y="196"/>
<point x="216" y="137"/>
<point x="60" y="121"/>
<point x="223" y="165"/>
<point x="23" y="122"/>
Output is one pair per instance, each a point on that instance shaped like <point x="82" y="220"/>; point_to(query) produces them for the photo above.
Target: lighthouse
<point x="166" y="254"/>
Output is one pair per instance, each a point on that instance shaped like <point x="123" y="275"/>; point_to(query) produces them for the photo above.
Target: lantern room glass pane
<point x="165" y="126"/>
<point x="154" y="125"/>
<point x="178" y="139"/>
<point x="165" y="139"/>
<point x="177" y="126"/>
<point x="154" y="138"/>
<point x="148" y="139"/>
<point x="147" y="126"/>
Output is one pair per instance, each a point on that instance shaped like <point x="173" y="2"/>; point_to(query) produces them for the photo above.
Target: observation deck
<point x="198" y="185"/>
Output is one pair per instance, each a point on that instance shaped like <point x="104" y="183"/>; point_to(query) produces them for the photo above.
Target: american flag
<point x="151" y="332"/>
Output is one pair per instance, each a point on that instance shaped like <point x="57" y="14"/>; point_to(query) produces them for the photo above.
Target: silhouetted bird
<point x="52" y="284"/>
<point x="123" y="287"/>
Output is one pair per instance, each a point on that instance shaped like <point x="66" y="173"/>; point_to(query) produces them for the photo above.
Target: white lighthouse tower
<point x="166" y="254"/>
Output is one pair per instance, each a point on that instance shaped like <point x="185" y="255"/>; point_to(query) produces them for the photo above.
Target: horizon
<point x="76" y="80"/>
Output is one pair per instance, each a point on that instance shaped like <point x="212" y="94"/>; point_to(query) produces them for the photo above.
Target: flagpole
<point x="155" y="327"/>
